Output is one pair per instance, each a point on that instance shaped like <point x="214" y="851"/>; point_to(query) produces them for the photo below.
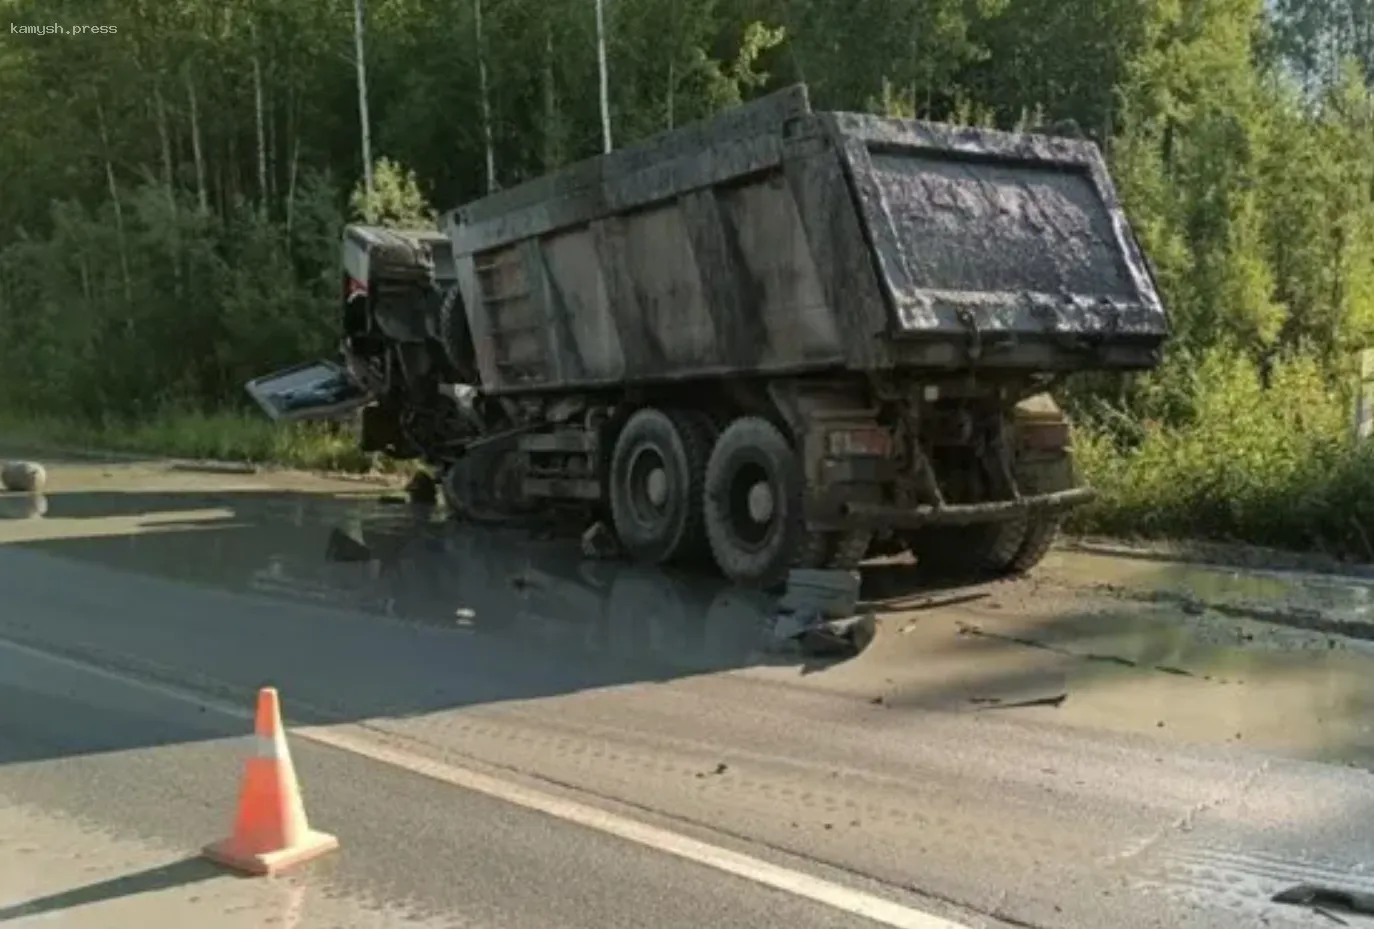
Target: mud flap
<point x="315" y="390"/>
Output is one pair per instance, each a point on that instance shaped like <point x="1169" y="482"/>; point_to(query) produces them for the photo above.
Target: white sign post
<point x="1364" y="397"/>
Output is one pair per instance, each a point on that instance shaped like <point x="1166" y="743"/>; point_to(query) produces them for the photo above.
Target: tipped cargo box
<point x="778" y="337"/>
<point x="774" y="240"/>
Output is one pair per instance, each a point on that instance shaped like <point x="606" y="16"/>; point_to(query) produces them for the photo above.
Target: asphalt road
<point x="502" y="735"/>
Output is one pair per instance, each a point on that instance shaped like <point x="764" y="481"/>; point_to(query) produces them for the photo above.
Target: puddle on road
<point x="248" y="535"/>
<point x="1118" y="663"/>
<point x="1298" y="598"/>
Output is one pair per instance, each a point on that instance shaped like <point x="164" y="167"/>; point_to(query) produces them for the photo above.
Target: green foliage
<point x="1272" y="465"/>
<point x="395" y="200"/>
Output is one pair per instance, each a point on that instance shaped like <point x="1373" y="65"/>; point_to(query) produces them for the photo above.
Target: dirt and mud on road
<point x="1281" y="659"/>
<point x="1198" y="733"/>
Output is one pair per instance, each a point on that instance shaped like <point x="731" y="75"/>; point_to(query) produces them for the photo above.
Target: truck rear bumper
<point x="881" y="516"/>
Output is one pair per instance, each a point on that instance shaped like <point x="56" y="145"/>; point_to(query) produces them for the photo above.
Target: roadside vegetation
<point x="222" y="436"/>
<point x="169" y="215"/>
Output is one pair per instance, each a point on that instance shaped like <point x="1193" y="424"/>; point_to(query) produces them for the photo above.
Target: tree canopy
<point x="171" y="193"/>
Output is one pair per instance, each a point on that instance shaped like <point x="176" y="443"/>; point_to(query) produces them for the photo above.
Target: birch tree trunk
<point x="164" y="137"/>
<point x="291" y="184"/>
<point x="604" y="75"/>
<point x="121" y="242"/>
<point x="364" y="121"/>
<point x="258" y="119"/>
<point x="272" y="167"/>
<point x="672" y="64"/>
<point x="165" y="142"/>
<point x="294" y="140"/>
<point x="550" y="102"/>
<point x="196" y="151"/>
<point x="486" y="96"/>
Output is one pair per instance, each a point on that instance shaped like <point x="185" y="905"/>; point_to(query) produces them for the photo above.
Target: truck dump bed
<point x="772" y="239"/>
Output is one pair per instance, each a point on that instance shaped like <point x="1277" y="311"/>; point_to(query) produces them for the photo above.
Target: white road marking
<point x="879" y="910"/>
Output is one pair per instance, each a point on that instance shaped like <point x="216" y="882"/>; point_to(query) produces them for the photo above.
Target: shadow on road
<point x="166" y="877"/>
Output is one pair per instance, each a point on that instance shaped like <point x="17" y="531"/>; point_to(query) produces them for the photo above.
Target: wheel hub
<point x="656" y="487"/>
<point x="761" y="502"/>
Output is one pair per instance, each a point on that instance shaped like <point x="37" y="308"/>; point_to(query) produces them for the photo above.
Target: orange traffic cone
<point x="270" y="829"/>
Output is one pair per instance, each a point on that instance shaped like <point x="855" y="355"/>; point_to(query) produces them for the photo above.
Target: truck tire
<point x="1041" y="475"/>
<point x="1042" y="529"/>
<point x="658" y="466"/>
<point x="967" y="552"/>
<point x="1041" y="532"/>
<point x="753" y="503"/>
<point x="483" y="486"/>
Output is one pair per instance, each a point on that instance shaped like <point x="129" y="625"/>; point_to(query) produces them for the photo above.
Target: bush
<point x="1265" y="464"/>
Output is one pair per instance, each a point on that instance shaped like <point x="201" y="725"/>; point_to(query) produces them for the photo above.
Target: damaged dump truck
<point x="777" y="338"/>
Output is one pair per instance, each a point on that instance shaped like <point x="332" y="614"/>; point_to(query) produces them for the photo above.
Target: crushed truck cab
<point x="780" y="337"/>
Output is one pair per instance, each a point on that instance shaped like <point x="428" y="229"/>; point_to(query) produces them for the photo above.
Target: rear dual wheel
<point x="987" y="549"/>
<point x="753" y="505"/>
<point x="679" y="490"/>
<point x="968" y="552"/>
<point x="997" y="549"/>
<point x="657" y="469"/>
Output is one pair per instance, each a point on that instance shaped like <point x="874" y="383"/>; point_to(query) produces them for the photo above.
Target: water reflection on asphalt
<point x="413" y="566"/>
<point x="1298" y="598"/>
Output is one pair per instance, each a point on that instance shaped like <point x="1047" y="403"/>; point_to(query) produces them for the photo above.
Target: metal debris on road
<point x="995" y="703"/>
<point x="819" y="637"/>
<point x="1323" y="899"/>
<point x="834" y="593"/>
<point x="817" y="614"/>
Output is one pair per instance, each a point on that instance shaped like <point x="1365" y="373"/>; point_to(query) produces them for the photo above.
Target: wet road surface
<point x="1109" y="742"/>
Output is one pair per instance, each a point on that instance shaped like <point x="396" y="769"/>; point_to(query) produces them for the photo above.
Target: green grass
<point x="214" y="436"/>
